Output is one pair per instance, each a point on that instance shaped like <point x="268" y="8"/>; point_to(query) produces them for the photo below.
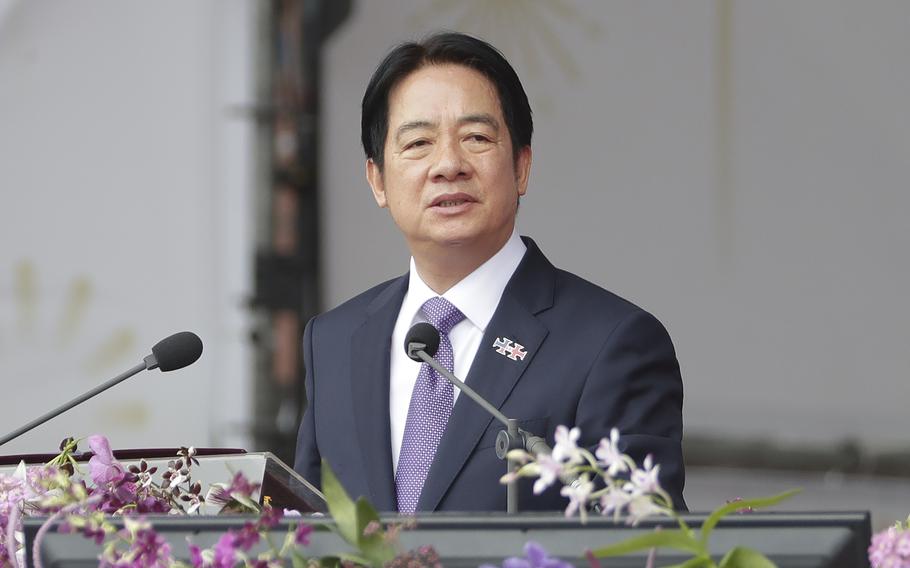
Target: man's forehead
<point x="448" y="91"/>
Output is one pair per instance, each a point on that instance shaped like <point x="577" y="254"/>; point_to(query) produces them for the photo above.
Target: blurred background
<point x="740" y="169"/>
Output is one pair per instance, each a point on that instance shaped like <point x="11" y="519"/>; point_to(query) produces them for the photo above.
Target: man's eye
<point x="479" y="138"/>
<point x="416" y="144"/>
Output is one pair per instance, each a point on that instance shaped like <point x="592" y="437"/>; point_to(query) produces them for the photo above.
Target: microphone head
<point x="177" y="351"/>
<point x="421" y="337"/>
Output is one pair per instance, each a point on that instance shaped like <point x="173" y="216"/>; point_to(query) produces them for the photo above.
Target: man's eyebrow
<point x="483" y="118"/>
<point x="412" y="125"/>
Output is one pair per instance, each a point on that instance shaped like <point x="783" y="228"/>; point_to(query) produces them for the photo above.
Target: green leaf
<point x="76" y="521"/>
<point x="341" y="507"/>
<point x="330" y="562"/>
<point x="697" y="562"/>
<point x="725" y="510"/>
<point x="336" y="561"/>
<point x="669" y="538"/>
<point x="741" y="557"/>
<point x="373" y="546"/>
<point x="245" y="501"/>
<point x="298" y="560"/>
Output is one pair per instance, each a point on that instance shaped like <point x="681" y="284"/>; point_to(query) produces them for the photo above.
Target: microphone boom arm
<point x="509" y="439"/>
<point x="419" y="351"/>
<point x="78" y="400"/>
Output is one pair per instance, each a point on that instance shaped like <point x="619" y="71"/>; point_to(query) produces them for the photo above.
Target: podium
<point x="791" y="540"/>
<point x="284" y="487"/>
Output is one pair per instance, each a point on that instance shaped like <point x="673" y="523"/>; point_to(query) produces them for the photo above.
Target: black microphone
<point x="421" y="336"/>
<point x="175" y="352"/>
<point x="169" y="354"/>
<point x="421" y="344"/>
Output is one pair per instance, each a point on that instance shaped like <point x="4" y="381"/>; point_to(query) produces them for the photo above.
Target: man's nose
<point x="450" y="163"/>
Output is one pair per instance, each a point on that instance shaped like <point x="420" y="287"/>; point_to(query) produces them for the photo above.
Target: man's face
<point x="449" y="178"/>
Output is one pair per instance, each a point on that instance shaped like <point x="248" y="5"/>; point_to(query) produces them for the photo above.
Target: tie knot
<point x="442" y="314"/>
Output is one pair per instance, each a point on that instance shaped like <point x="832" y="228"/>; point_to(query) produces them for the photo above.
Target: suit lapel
<point x="370" y="392"/>
<point x="493" y="375"/>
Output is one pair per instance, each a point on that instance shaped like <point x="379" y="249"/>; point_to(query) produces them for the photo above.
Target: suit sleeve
<point x="308" y="461"/>
<point x="635" y="386"/>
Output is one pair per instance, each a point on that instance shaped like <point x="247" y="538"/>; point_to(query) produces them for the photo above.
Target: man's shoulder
<point x="572" y="286"/>
<point x="573" y="296"/>
<point x="587" y="302"/>
<point x="357" y="308"/>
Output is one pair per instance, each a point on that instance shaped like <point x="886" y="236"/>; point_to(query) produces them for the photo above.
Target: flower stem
<point x="39" y="537"/>
<point x="12" y="522"/>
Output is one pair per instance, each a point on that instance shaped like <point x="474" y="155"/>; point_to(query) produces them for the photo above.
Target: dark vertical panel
<point x="287" y="263"/>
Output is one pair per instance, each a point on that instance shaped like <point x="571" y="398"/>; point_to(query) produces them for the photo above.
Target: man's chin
<point x="467" y="242"/>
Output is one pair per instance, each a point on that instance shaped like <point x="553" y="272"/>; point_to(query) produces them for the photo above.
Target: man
<point x="446" y="127"/>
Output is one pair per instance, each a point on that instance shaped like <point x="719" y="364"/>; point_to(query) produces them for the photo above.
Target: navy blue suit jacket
<point x="593" y="360"/>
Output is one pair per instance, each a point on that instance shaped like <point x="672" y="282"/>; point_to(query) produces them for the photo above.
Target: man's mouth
<point x="452" y="200"/>
<point x="451" y="203"/>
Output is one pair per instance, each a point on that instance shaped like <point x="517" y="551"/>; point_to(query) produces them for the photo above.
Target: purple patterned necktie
<point x="428" y="413"/>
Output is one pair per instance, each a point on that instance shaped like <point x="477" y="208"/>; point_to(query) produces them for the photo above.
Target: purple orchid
<point x="110" y="477"/>
<point x="890" y="548"/>
<point x="225" y="551"/>
<point x="302" y="534"/>
<point x="103" y="468"/>
<point x="247" y="537"/>
<point x="225" y="494"/>
<point x="536" y="556"/>
<point x="270" y="517"/>
<point x="149" y="549"/>
<point x="196" y="556"/>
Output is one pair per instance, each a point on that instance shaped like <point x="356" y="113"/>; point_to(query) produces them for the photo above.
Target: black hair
<point x="447" y="47"/>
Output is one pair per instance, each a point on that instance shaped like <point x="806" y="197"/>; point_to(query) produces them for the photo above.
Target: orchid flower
<point x="103" y="468"/>
<point x="536" y="556"/>
<point x="636" y="492"/>
<point x="548" y="472"/>
<point x="614" y="500"/>
<point x="566" y="447"/>
<point x="645" y="480"/>
<point x="641" y="507"/>
<point x="609" y="456"/>
<point x="578" y="492"/>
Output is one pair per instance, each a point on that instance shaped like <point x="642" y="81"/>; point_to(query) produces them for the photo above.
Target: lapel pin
<point x="509" y="348"/>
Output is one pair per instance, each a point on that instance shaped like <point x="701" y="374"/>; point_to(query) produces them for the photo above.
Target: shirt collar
<point x="477" y="295"/>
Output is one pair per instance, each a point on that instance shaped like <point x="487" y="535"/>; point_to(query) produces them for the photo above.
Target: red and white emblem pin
<point x="507" y="347"/>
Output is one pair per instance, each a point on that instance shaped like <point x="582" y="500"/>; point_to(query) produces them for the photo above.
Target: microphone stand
<point x="78" y="400"/>
<point x="171" y="353"/>
<point x="512" y="438"/>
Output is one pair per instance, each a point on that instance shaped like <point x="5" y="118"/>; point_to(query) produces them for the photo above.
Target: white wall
<point x="123" y="174"/>
<point x="755" y="205"/>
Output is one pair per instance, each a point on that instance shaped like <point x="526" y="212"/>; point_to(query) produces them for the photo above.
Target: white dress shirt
<point x="477" y="296"/>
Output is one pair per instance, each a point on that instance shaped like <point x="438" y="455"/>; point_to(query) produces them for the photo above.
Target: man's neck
<point x="442" y="269"/>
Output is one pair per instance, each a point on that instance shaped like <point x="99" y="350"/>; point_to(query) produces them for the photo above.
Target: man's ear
<point x="523" y="169"/>
<point x="374" y="178"/>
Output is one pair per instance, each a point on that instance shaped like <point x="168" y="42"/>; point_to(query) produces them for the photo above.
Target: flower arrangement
<point x="891" y="547"/>
<point x="606" y="481"/>
<point x="633" y="491"/>
<point x="89" y="506"/>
